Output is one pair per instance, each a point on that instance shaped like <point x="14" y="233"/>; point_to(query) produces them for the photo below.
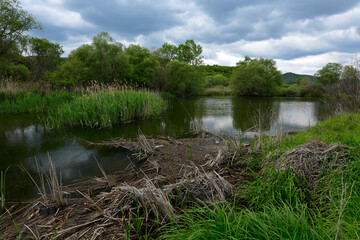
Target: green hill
<point x="292" y="77"/>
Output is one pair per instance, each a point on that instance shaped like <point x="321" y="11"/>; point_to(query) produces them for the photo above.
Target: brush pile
<point x="313" y="159"/>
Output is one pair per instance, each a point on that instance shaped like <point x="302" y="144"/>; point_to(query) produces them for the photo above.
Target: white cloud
<point x="300" y="44"/>
<point x="51" y="13"/>
<point x="311" y="63"/>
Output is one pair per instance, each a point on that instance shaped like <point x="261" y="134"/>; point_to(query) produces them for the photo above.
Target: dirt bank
<point x="174" y="174"/>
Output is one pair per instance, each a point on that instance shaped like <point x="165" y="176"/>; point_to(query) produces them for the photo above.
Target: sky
<point x="302" y="36"/>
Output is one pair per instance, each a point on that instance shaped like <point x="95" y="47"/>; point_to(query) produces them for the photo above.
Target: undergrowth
<point x="32" y="102"/>
<point x="279" y="204"/>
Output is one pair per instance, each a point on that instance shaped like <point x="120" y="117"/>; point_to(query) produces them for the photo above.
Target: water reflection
<point x="23" y="137"/>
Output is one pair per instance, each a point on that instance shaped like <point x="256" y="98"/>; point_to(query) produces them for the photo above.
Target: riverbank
<point x="99" y="107"/>
<point x="304" y="186"/>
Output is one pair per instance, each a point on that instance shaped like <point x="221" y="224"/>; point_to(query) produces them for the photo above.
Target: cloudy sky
<point x="302" y="36"/>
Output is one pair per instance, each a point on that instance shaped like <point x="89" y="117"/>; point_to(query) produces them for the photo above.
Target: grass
<point x="2" y="190"/>
<point x="226" y="221"/>
<point x="32" y="102"/>
<point x="93" y="106"/>
<point x="218" y="91"/>
<point x="279" y="204"/>
<point x="107" y="108"/>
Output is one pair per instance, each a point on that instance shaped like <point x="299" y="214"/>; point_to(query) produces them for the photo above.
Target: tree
<point x="104" y="60"/>
<point x="45" y="56"/>
<point x="190" y="53"/>
<point x="167" y="53"/>
<point x="178" y="76"/>
<point x="14" y="22"/>
<point x="330" y="74"/>
<point x="256" y="77"/>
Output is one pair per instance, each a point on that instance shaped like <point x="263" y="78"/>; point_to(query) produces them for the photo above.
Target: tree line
<point x="177" y="69"/>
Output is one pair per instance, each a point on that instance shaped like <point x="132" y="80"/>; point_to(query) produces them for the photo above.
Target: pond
<point x="23" y="137"/>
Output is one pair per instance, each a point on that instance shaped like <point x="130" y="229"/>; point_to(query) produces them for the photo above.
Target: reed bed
<point x="32" y="102"/>
<point x="107" y="108"/>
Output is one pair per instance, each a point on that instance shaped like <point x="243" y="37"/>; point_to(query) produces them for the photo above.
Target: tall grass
<point x="32" y="102"/>
<point x="107" y="108"/>
<point x="2" y="190"/>
<point x="225" y="221"/>
<point x="279" y="204"/>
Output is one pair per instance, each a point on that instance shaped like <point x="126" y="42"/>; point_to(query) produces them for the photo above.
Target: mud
<point x="96" y="208"/>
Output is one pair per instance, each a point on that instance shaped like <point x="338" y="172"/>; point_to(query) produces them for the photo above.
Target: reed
<point x="108" y="108"/>
<point x="32" y="102"/>
<point x="2" y="190"/>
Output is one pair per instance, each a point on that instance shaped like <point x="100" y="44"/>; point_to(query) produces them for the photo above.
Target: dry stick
<point x="88" y="198"/>
<point x="343" y="202"/>
<point x="102" y="171"/>
<point x="59" y="233"/>
<point x="36" y="236"/>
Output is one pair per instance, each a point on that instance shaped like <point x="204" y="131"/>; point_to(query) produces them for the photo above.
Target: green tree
<point x="143" y="64"/>
<point x="350" y="76"/>
<point x="330" y="74"/>
<point x="45" y="56"/>
<point x="104" y="60"/>
<point x="14" y="22"/>
<point x="256" y="77"/>
<point x="217" y="79"/>
<point x="178" y="77"/>
<point x="190" y="53"/>
<point x="167" y="53"/>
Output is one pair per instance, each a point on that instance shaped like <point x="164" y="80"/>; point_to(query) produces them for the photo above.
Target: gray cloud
<point x="290" y="31"/>
<point x="127" y="18"/>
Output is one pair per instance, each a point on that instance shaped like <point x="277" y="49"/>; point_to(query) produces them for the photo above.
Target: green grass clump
<point x="32" y="102"/>
<point x="343" y="129"/>
<point x="107" y="108"/>
<point x="278" y="204"/>
<point x="225" y="221"/>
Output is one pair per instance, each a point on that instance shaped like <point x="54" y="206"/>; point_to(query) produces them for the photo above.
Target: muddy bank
<point x="174" y="174"/>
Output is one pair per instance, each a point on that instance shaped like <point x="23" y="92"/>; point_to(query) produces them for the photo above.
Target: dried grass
<point x="312" y="159"/>
<point x="156" y="201"/>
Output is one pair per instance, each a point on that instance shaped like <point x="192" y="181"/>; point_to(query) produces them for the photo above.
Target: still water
<point x="23" y="137"/>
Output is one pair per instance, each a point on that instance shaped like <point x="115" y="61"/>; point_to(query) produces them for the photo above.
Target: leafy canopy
<point x="14" y="22"/>
<point x="256" y="77"/>
<point x="329" y="74"/>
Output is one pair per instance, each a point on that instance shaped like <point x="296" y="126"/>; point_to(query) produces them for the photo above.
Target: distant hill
<point x="292" y="77"/>
<point x="211" y="70"/>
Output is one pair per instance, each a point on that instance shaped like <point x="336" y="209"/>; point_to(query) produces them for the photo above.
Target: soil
<point x="165" y="160"/>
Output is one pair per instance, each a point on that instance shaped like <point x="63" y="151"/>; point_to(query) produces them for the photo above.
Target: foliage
<point x="179" y="77"/>
<point x="343" y="95"/>
<point x="144" y="66"/>
<point x="216" y="80"/>
<point x="45" y="56"/>
<point x="103" y="60"/>
<point x="32" y="102"/>
<point x="17" y="72"/>
<point x="329" y="74"/>
<point x="256" y="77"/>
<point x="190" y="53"/>
<point x="167" y="53"/>
<point x="211" y="70"/>
<point x="14" y="22"/>
<point x="225" y="221"/>
<point x="107" y="108"/>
